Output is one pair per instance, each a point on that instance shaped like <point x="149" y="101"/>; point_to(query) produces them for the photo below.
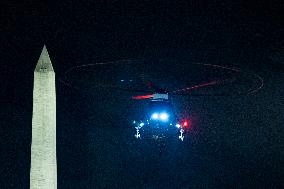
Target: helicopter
<point x="160" y="118"/>
<point x="140" y="76"/>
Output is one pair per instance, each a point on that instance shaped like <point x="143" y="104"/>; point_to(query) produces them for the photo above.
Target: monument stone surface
<point x="43" y="172"/>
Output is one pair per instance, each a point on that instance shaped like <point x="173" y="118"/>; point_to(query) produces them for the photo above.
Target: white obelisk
<point x="43" y="172"/>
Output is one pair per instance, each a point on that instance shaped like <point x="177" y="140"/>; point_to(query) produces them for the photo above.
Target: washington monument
<point x="43" y="172"/>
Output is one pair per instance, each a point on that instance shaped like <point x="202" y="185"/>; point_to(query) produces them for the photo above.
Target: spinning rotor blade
<point x="142" y="97"/>
<point x="187" y="90"/>
<point x="202" y="95"/>
<point x="195" y="87"/>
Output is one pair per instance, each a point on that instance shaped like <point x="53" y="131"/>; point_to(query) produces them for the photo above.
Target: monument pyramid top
<point x="44" y="62"/>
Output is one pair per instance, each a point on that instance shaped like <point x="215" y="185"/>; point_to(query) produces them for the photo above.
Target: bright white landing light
<point x="141" y="124"/>
<point x="164" y="116"/>
<point x="155" y="116"/>
<point x="178" y="125"/>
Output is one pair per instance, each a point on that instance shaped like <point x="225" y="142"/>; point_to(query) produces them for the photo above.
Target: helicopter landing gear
<point x="181" y="136"/>
<point x="137" y="135"/>
<point x="138" y="126"/>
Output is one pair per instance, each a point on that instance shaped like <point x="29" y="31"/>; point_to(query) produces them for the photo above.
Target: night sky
<point x="235" y="141"/>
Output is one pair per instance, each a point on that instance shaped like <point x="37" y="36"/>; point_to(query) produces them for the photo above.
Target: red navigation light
<point x="185" y="124"/>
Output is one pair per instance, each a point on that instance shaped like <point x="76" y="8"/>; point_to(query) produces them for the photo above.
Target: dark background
<point x="236" y="142"/>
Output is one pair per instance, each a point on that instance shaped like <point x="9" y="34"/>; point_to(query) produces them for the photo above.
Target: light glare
<point x="155" y="116"/>
<point x="164" y="116"/>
